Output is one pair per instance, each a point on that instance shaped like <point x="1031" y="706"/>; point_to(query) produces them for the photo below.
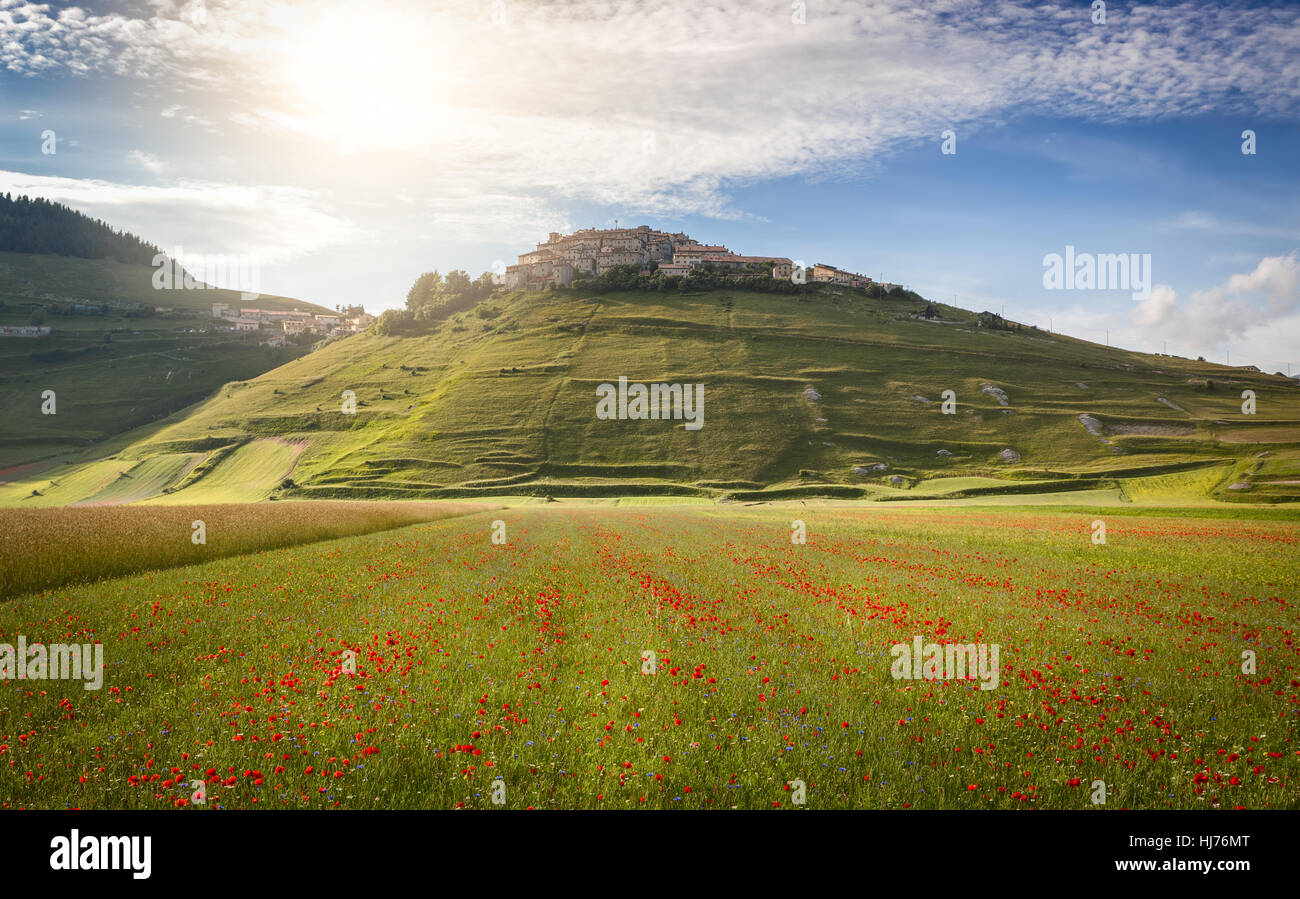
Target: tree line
<point x="432" y="298"/>
<point x="37" y="225"/>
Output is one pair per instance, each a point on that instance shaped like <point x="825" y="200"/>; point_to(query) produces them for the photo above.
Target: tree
<point x="394" y="323"/>
<point x="425" y="290"/>
<point x="457" y="283"/>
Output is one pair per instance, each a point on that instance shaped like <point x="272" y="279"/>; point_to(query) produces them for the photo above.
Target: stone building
<point x="561" y="258"/>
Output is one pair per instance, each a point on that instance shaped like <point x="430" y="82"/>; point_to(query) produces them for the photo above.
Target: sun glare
<point x="365" y="84"/>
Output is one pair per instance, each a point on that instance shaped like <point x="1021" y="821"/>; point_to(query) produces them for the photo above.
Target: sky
<point x="949" y="146"/>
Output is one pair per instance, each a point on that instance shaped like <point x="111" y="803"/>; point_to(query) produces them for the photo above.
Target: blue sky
<point x="348" y="151"/>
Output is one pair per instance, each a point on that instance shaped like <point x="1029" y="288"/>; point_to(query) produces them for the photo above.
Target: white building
<point x="675" y="269"/>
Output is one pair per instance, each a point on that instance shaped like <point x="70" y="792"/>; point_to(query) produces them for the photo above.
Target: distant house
<point x="562" y="274"/>
<point x="739" y="262"/>
<point x="692" y="255"/>
<point x="994" y="322"/>
<point x="829" y="274"/>
<point x="675" y="269"/>
<point x="220" y="309"/>
<point x="247" y="324"/>
<point x="610" y="257"/>
<point x="23" y="331"/>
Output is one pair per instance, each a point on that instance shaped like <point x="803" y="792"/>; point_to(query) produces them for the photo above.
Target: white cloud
<point x="557" y="102"/>
<point x="1157" y="308"/>
<point x="146" y="161"/>
<point x="1194" y="220"/>
<point x="1201" y="221"/>
<point x="275" y="224"/>
<point x="1249" y="307"/>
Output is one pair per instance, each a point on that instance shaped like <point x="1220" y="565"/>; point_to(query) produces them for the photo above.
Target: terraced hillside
<point x="831" y="393"/>
<point x="113" y="360"/>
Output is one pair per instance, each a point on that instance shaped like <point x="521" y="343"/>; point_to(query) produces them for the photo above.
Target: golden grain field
<point x="41" y="549"/>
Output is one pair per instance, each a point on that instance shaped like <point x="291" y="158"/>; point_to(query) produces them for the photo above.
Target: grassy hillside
<point x="30" y="281"/>
<point x="114" y="361"/>
<point x="803" y="396"/>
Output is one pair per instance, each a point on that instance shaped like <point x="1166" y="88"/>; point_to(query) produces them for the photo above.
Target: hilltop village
<point x="565" y="258"/>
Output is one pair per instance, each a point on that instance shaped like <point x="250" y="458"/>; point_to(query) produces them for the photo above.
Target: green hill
<point x="804" y="395"/>
<point x="32" y="283"/>
<point x="119" y="354"/>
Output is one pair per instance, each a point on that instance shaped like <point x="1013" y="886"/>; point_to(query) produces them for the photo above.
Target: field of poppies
<point x="681" y="657"/>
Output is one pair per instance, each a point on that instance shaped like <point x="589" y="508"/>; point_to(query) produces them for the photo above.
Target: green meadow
<point x="608" y="655"/>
